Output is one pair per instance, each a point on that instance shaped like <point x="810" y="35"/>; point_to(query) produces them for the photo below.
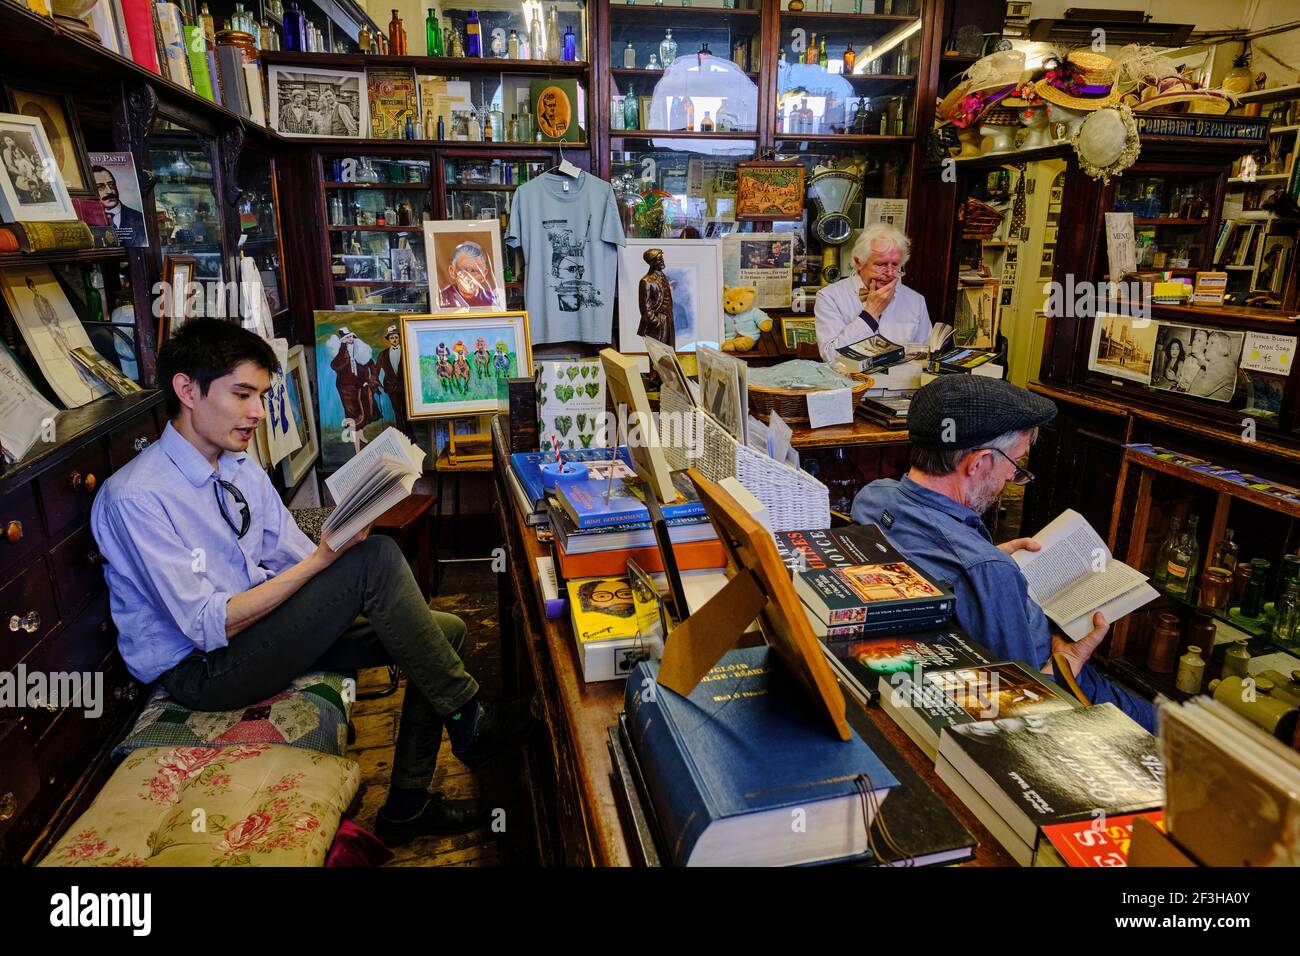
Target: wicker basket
<point x="790" y="403"/>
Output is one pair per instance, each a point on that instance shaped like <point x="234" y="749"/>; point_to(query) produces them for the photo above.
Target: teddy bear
<point x="743" y="322"/>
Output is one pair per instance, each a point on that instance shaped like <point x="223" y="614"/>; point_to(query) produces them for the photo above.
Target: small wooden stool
<point x="408" y="523"/>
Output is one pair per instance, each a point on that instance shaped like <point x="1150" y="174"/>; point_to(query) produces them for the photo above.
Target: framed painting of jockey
<point x="461" y="363"/>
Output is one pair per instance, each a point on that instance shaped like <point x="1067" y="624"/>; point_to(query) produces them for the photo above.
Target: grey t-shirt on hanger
<point x="570" y="238"/>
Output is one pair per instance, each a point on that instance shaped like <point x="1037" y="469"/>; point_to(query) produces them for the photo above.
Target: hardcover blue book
<point x="587" y="505"/>
<point x="743" y="773"/>
<point x="528" y="466"/>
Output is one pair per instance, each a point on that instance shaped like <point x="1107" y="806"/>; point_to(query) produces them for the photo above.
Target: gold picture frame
<point x="457" y="364"/>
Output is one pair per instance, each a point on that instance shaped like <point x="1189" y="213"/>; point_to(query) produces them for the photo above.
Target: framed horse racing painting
<point x="460" y="363"/>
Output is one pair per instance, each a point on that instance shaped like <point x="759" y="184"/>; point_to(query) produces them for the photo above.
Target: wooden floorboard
<point x="469" y="591"/>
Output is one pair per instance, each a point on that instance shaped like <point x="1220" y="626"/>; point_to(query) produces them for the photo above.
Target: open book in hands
<point x="379" y="477"/>
<point x="1075" y="575"/>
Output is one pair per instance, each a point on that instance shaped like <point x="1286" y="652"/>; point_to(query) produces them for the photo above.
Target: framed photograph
<point x="118" y="188"/>
<point x="319" y="102"/>
<point x="1197" y="360"/>
<point x="1274" y="261"/>
<point x="298" y="378"/>
<point x="178" y="285"/>
<point x="722" y="390"/>
<point x="460" y="363"/>
<point x="796" y="331"/>
<point x="769" y="190"/>
<point x="59" y="120"/>
<point x="465" y="265"/>
<point x="31" y="187"/>
<point x="643" y="104"/>
<point x="977" y="316"/>
<point x="1123" y="347"/>
<point x="694" y="271"/>
<point x="51" y="329"/>
<point x="358" y="390"/>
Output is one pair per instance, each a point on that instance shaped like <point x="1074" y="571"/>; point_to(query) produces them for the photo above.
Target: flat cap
<point x="965" y="411"/>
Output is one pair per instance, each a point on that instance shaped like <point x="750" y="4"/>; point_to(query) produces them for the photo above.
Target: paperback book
<point x="377" y="478"/>
<point x="864" y="594"/>
<point x="834" y="548"/>
<point x="600" y="501"/>
<point x="527" y="467"/>
<point x="607" y="628"/>
<point x="868" y="355"/>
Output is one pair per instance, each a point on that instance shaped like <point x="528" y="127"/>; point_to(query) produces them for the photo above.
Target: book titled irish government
<point x="726" y="766"/>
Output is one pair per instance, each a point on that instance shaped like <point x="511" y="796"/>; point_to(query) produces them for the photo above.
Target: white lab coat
<point x="838" y="306"/>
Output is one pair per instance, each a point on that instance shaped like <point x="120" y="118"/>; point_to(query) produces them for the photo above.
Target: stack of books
<point x="525" y="474"/>
<point x="874" y="352"/>
<point x="855" y="584"/>
<point x="1020" y="775"/>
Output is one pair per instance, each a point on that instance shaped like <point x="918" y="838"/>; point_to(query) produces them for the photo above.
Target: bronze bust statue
<point x="655" y="299"/>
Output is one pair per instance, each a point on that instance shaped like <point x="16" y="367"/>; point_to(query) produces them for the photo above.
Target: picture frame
<point x="623" y="379"/>
<point x="1205" y="365"/>
<point x="314" y="114"/>
<point x="298" y="376"/>
<point x="465" y="266"/>
<point x="770" y="191"/>
<point x="1122" y="347"/>
<point x="178" y="274"/>
<point x="359" y="392"/>
<point x="694" y="269"/>
<point x="58" y="116"/>
<point x="644" y="103"/>
<point x="798" y="330"/>
<point x="31" y="187"/>
<point x="460" y="363"/>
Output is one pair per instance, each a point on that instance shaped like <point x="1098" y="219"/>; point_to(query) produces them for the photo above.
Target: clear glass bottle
<point x="667" y="50"/>
<point x="498" y="120"/>
<point x="1191" y="671"/>
<point x="1288" y="572"/>
<point x="455" y="46"/>
<point x="629" y="56"/>
<point x="512" y="46"/>
<point x="1286" y="623"/>
<point x="1252" y="598"/>
<point x="706" y="124"/>
<point x="553" y="48"/>
<point x="336" y="210"/>
<point x="473" y="129"/>
<point x="1160" y="569"/>
<point x="689" y="106"/>
<point x="631" y="110"/>
<point x="365" y="40"/>
<point x="208" y="23"/>
<point x="1183" y="561"/>
<point x="536" y="39"/>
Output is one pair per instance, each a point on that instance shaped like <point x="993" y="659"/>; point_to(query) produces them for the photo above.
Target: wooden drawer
<point x="78" y="571"/>
<point x="77" y="648"/>
<point x="27" y="613"/>
<point x="62" y="751"/>
<point x="21" y="532"/>
<point x="68" y="490"/>
<point x="129" y="440"/>
<point x="19" y="779"/>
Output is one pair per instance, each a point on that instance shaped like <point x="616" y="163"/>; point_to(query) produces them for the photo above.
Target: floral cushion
<point x="246" y="805"/>
<point x="312" y="712"/>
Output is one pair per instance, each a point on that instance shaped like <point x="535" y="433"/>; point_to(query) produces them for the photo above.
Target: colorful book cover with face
<point x="888" y="582"/>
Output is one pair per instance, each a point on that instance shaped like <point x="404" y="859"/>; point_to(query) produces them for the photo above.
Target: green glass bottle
<point x="432" y="34"/>
<point x="631" y="114"/>
<point x="822" y="60"/>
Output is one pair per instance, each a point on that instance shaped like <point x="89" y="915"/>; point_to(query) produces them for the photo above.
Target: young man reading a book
<point x="217" y="593"/>
<point x="968" y="432"/>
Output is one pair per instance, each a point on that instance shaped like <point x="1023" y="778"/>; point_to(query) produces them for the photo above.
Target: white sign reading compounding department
<point x="1267" y="352"/>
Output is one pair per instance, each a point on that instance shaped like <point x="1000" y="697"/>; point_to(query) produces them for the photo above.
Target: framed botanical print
<point x="59" y="120"/>
<point x="31" y="187"/>
<point x="461" y="363"/>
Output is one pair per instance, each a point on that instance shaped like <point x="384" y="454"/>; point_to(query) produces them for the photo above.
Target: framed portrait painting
<point x="465" y="265"/>
<point x="31" y="186"/>
<point x="460" y="363"/>
<point x="693" y="270"/>
<point x="359" y="389"/>
<point x="59" y="120"/>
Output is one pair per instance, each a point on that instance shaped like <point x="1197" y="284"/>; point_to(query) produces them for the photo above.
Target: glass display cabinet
<point x="374" y="207"/>
<point x="258" y="226"/>
<point x="1173" y="209"/>
<point x="186" y="199"/>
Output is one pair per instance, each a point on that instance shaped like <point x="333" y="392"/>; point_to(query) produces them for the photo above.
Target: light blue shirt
<point x="173" y="561"/>
<point x="838" y="308"/>
<point x="949" y="541"/>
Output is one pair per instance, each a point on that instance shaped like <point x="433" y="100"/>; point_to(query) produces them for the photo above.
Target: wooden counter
<point x="856" y="432"/>
<point x="570" y="774"/>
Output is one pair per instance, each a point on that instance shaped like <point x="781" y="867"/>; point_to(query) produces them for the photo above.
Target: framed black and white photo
<point x="31" y="187"/>
<point x="1197" y="360"/>
<point x="318" y="102"/>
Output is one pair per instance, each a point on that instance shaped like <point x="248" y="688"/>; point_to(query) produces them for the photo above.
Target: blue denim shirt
<point x="173" y="561"/>
<point x="949" y="541"/>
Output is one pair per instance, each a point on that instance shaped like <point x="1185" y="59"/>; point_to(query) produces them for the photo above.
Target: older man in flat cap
<point x="968" y="434"/>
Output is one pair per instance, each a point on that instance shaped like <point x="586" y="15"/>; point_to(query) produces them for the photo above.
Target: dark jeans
<point x="319" y="628"/>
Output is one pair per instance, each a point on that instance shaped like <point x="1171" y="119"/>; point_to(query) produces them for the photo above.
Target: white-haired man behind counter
<point x="873" y="299"/>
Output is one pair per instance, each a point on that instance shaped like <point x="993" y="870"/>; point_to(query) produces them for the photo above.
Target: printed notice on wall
<point x="1267" y="352"/>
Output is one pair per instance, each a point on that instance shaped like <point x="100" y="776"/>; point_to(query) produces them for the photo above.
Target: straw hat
<point x="1082" y="81"/>
<point x="988" y="80"/>
<point x="1177" y="94"/>
<point x="1107" y="142"/>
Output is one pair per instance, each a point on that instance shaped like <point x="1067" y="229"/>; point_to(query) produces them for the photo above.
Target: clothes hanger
<point x="565" y="167"/>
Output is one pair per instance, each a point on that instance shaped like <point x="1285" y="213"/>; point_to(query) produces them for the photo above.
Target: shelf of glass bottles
<point x="1170" y="218"/>
<point x="499" y="111"/>
<point x="509" y="33"/>
<point x="699" y="75"/>
<point x="482" y="188"/>
<point x="692" y="188"/>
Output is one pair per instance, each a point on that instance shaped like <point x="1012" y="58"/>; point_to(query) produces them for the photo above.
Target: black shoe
<point x="501" y="728"/>
<point x="440" y="816"/>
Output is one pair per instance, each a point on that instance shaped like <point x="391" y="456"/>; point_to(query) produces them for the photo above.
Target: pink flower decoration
<point x="248" y="831"/>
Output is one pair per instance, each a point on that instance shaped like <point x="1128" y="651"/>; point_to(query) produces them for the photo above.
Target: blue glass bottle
<point x="473" y="46"/>
<point x="570" y="45"/>
<point x="295" y="29"/>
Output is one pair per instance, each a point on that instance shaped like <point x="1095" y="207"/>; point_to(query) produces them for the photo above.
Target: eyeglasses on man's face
<point x="1023" y="476"/>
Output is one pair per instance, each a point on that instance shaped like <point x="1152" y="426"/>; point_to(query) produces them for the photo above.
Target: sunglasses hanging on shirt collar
<point x="245" y="514"/>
